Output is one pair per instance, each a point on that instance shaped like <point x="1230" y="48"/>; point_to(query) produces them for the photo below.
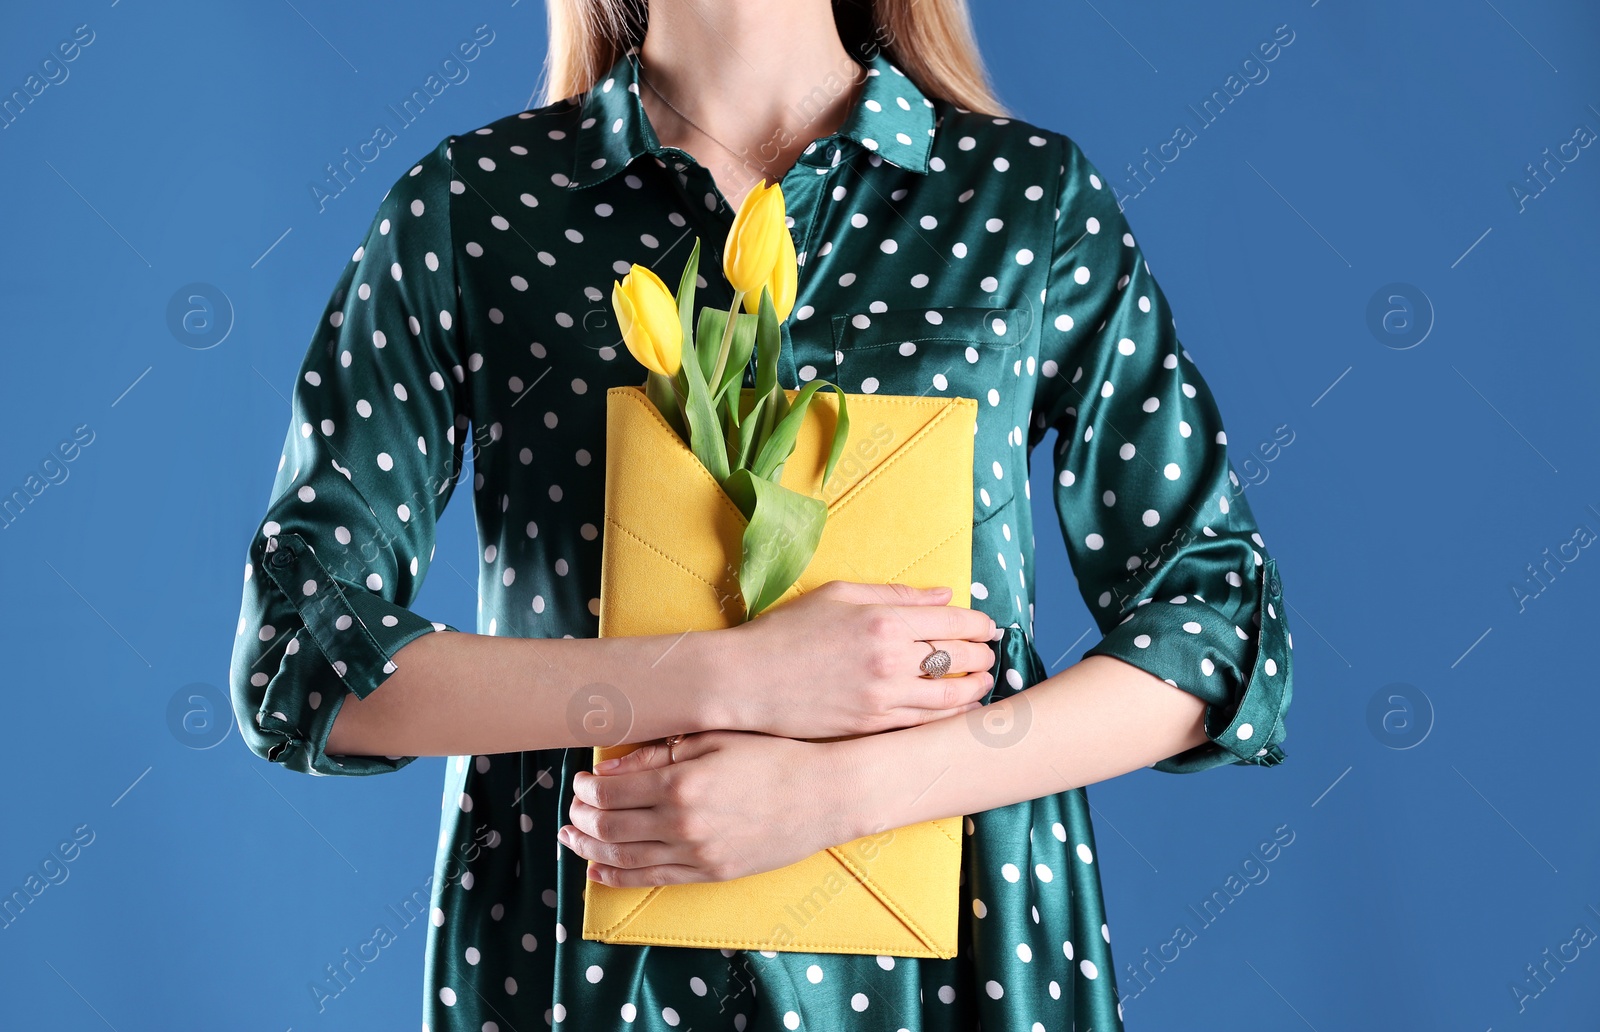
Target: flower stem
<point x="727" y="341"/>
<point x="663" y="393"/>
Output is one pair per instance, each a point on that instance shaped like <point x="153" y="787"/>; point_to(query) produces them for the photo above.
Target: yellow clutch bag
<point x="899" y="510"/>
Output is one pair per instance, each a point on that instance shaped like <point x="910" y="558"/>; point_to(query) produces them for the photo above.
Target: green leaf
<point x="777" y="409"/>
<point x="740" y="427"/>
<point x="686" y="287"/>
<point x="740" y="487"/>
<point x="708" y="338"/>
<point x="841" y="430"/>
<point x="779" y="541"/>
<point x="777" y="448"/>
<point x="768" y="342"/>
<point x="749" y="426"/>
<point x="719" y="363"/>
<point x="744" y="341"/>
<point x="662" y="392"/>
<point x="705" y="429"/>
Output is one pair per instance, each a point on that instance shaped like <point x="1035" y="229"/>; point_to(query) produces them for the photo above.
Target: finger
<point x="646" y="756"/>
<point x="949" y="622"/>
<point x="628" y="855"/>
<point x="892" y="593"/>
<point x="960" y="691"/>
<point x="663" y="874"/>
<point x="616" y="825"/>
<point x="634" y="791"/>
<point x="954" y="692"/>
<point x="654" y="755"/>
<point x="938" y="697"/>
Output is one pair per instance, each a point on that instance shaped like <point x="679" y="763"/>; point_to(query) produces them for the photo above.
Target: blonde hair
<point x="930" y="40"/>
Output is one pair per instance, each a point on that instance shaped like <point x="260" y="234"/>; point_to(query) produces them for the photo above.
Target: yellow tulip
<point x="782" y="281"/>
<point x="648" y="315"/>
<point x="753" y="240"/>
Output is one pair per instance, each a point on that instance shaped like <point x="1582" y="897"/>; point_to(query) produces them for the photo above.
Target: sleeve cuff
<point x="348" y="630"/>
<point x="1247" y="690"/>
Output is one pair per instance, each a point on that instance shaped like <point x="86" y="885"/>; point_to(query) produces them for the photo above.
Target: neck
<point x="760" y="78"/>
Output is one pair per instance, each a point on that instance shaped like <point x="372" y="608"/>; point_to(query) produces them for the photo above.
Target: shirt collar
<point x="891" y="118"/>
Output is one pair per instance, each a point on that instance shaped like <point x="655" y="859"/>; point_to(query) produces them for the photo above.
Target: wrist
<point x="853" y="780"/>
<point x="720" y="698"/>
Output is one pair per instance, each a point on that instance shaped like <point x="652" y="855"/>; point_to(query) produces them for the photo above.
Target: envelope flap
<point x="634" y="418"/>
<point x="673" y="537"/>
<point x="894" y="893"/>
<point x="663" y="504"/>
<point x="608" y="912"/>
<point x="905" y="513"/>
<point x="883" y="427"/>
<point x="893" y="876"/>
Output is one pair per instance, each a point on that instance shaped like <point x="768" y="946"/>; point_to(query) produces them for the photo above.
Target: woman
<point x="945" y="249"/>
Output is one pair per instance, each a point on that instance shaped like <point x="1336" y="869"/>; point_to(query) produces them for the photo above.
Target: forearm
<point x="1097" y="719"/>
<point x="455" y="694"/>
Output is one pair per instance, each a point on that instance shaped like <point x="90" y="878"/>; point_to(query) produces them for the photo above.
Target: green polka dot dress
<point x="942" y="252"/>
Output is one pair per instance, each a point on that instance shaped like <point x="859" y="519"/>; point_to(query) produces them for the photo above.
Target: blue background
<point x="1440" y="780"/>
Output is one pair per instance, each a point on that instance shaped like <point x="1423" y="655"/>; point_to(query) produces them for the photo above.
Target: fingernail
<point x="607" y="764"/>
<point x="562" y="836"/>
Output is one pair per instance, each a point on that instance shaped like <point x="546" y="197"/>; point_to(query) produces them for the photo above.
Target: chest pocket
<point x="961" y="351"/>
<point x="937" y="352"/>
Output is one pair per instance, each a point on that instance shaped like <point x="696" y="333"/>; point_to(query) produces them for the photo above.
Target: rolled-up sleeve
<point x="373" y="451"/>
<point x="1166" y="552"/>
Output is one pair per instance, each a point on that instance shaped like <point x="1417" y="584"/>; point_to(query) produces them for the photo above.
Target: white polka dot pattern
<point x="1162" y="540"/>
<point x="941" y="252"/>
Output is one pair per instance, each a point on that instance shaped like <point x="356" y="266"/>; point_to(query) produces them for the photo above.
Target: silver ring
<point x="935" y="663"/>
<point x="672" y="740"/>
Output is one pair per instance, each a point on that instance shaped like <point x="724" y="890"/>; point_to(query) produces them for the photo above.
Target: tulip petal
<point x="784" y="275"/>
<point x="633" y="335"/>
<point x="752" y="246"/>
<point x="656" y="308"/>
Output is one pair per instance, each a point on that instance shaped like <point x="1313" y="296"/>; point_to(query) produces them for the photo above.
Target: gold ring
<point x="672" y="740"/>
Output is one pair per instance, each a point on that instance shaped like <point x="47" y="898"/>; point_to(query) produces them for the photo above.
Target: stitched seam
<point x="630" y="915"/>
<point x="889" y="904"/>
<point x="900" y="572"/>
<point x="452" y="345"/>
<point x="945" y="405"/>
<point x="611" y="522"/>
<point x="616" y="928"/>
<point x="861" y="484"/>
<point x="628" y="393"/>
<point x="1055" y="242"/>
<point x="888" y="949"/>
<point x="940" y="827"/>
<point x="863" y="880"/>
<point x="1055" y="229"/>
<point x="925" y="334"/>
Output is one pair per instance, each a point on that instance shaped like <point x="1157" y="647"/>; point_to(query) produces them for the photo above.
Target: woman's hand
<point x="845" y="659"/>
<point x="734" y="803"/>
